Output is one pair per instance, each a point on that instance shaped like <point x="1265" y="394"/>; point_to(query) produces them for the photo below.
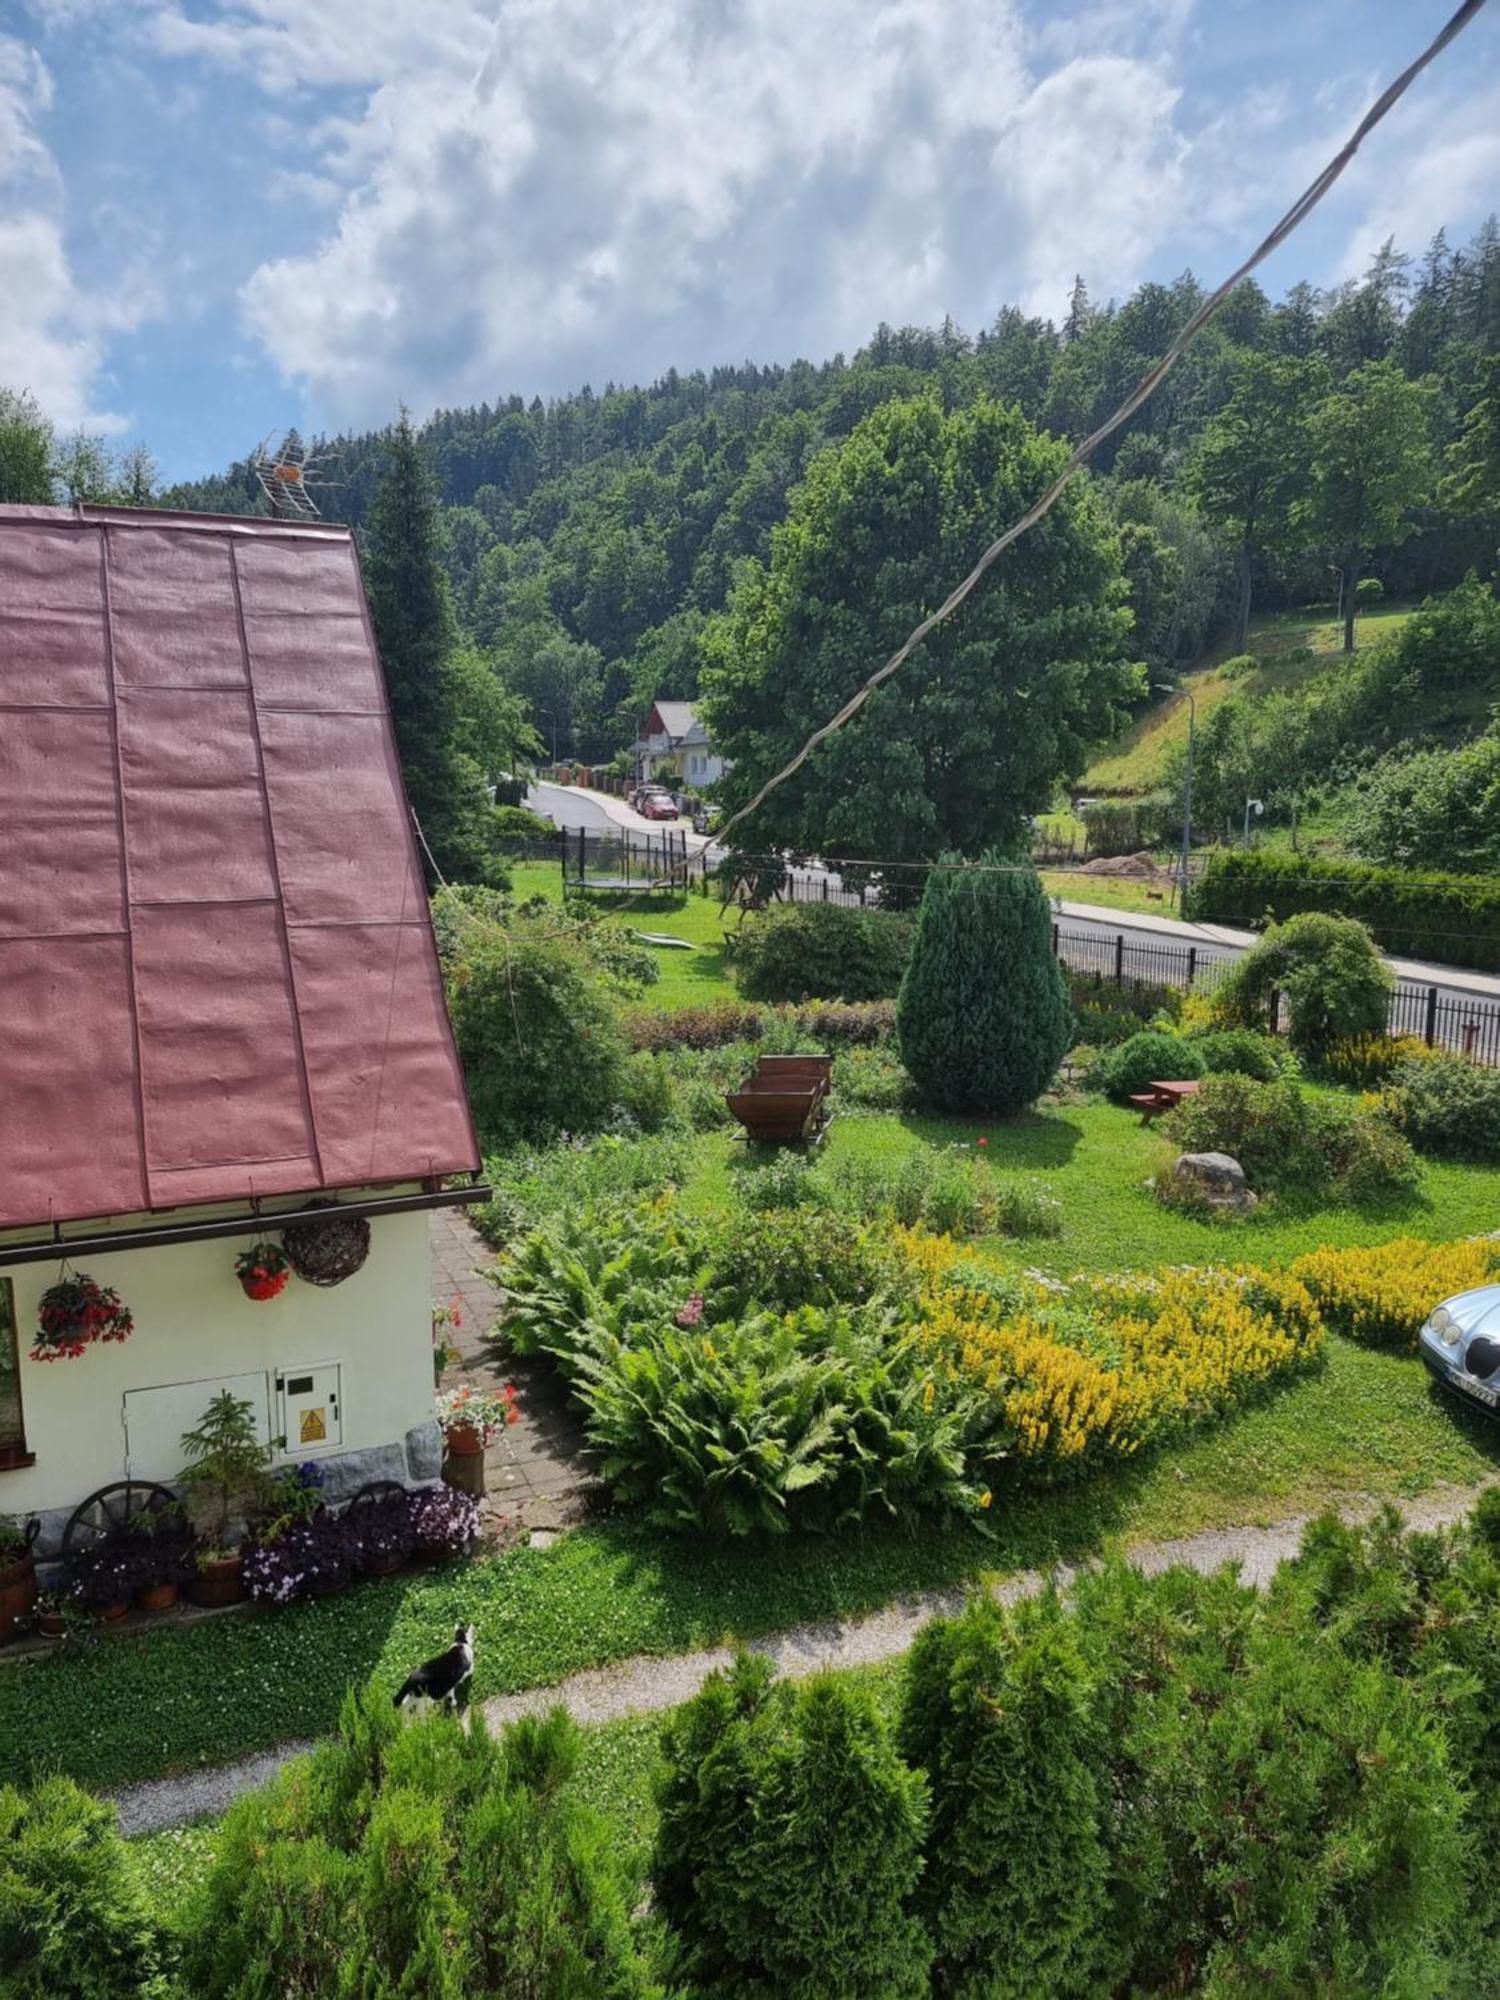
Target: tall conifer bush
<point x="789" y="1845"/>
<point x="998" y="1711"/>
<point x="983" y="1017"/>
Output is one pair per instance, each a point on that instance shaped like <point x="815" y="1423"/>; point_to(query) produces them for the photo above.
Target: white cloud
<point x="51" y="334"/>
<point x="548" y="191"/>
<point x="1450" y="170"/>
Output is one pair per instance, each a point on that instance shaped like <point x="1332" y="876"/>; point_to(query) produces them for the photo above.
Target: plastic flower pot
<point x="218" y="1583"/>
<point x="156" y="1597"/>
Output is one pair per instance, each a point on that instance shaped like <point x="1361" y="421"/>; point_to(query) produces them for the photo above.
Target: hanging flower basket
<point x="74" y="1313"/>
<point x="264" y="1270"/>
<point x="327" y="1251"/>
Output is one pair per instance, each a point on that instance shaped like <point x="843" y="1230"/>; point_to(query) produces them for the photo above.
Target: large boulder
<point x="1216" y="1178"/>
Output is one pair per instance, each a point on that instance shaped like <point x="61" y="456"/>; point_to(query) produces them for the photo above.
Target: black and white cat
<point x="445" y="1678"/>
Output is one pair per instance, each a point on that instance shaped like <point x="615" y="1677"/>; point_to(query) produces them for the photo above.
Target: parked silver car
<point x="1461" y="1345"/>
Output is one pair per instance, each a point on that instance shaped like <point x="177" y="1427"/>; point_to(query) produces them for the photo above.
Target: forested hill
<point x="588" y="538"/>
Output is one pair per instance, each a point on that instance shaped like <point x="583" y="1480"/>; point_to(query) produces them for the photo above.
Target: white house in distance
<point x="220" y="1004"/>
<point x="675" y="745"/>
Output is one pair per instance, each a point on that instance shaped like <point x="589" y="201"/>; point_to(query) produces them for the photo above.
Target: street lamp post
<point x="551" y="715"/>
<point x="1162" y="687"/>
<point x="1256" y="806"/>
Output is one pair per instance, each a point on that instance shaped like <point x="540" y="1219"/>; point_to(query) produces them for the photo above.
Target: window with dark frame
<point x="12" y="1429"/>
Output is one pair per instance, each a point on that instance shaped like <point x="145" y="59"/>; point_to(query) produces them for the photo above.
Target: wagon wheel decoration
<point x="107" y="1512"/>
<point x="377" y="1490"/>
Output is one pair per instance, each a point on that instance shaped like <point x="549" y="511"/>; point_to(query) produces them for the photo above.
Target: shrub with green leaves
<point x="819" y="1419"/>
<point x="1149" y="1057"/>
<point x="535" y="1183"/>
<point x="789" y="1844"/>
<point x="821" y="951"/>
<point x="1242" y="1052"/>
<point x="1326" y="969"/>
<point x="1295" y="1144"/>
<point x="75" y="1912"/>
<point x="1446" y="1105"/>
<point x="418" y="1858"/>
<point x="999" y="1711"/>
<point x="983" y="1017"/>
<point x="536" y="1031"/>
<point x="780" y="1261"/>
<point x="1106" y="1011"/>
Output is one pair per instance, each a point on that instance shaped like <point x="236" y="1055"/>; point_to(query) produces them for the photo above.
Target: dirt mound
<point x="1139" y="865"/>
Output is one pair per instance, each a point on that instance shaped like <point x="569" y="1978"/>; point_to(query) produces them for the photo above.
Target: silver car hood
<point x="1477" y="1311"/>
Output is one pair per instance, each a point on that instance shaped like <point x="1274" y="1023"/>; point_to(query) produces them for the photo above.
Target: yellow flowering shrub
<point x="1110" y="1366"/>
<point x="1382" y="1295"/>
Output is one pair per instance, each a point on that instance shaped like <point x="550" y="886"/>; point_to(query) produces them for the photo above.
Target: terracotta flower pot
<point x="17" y="1593"/>
<point x="383" y="1565"/>
<point x="111" y="1614"/>
<point x="463" y="1440"/>
<point x="52" y="1625"/>
<point x="156" y="1597"/>
<point x="218" y="1583"/>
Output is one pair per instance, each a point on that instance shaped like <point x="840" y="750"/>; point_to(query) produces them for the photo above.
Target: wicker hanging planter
<point x="327" y="1251"/>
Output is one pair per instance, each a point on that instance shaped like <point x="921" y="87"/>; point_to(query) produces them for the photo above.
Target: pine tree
<point x="983" y="1017"/>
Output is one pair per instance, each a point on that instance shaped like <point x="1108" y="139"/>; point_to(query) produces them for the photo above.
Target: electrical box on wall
<point x="309" y="1406"/>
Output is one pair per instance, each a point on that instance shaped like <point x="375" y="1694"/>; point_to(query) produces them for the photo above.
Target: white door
<point x="310" y="1409"/>
<point x="155" y="1420"/>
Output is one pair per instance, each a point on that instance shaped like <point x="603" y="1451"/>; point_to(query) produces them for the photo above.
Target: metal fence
<point x="626" y="861"/>
<point x="1467" y="1025"/>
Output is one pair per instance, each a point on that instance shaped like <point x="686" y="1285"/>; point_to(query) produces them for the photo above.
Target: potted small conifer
<point x="224" y="1479"/>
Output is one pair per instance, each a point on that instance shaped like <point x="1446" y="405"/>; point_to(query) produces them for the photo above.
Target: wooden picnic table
<point x="1164" y="1096"/>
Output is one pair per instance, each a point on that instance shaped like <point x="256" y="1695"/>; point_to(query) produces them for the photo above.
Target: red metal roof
<point x="217" y="971"/>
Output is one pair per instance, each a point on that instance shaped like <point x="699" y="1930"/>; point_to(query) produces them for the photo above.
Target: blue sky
<point x="219" y="217"/>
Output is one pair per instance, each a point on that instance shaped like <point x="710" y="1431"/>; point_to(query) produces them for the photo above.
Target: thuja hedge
<point x="1159" y="1785"/>
<point x="1452" y="918"/>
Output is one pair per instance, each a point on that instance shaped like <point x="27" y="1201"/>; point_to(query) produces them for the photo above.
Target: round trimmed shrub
<point x="1329" y="973"/>
<point x="1147" y="1058"/>
<point x="1240" y="1052"/>
<point x="821" y="951"/>
<point x="983" y="1017"/>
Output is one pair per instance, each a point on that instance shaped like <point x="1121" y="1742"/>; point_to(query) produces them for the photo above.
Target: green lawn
<point x="696" y="978"/>
<point x="1095" y="1158"/>
<point x="1111" y="892"/>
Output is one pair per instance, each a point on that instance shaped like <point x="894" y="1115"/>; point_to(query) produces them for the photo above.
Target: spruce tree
<point x="983" y="1017"/>
<point x="417" y="637"/>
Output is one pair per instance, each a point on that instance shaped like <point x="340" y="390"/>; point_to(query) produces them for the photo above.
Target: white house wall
<point x="193" y="1323"/>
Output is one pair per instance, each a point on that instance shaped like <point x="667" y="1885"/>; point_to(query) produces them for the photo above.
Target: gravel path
<point x="646" y="1683"/>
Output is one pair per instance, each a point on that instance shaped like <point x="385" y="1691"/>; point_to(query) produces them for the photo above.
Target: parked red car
<point x="657" y="804"/>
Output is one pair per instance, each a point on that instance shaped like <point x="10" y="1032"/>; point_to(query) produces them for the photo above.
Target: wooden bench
<point x="784" y="1099"/>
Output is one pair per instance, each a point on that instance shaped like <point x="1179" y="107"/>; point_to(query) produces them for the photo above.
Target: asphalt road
<point x="1089" y="931"/>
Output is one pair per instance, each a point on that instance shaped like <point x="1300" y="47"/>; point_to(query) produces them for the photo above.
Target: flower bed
<point x="1381" y="1296"/>
<point x="798" y="1370"/>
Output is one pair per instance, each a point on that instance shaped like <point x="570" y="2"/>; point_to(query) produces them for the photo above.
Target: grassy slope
<point x="1136" y="761"/>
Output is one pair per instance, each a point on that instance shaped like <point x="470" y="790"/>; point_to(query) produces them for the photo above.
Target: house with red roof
<point x="222" y="1024"/>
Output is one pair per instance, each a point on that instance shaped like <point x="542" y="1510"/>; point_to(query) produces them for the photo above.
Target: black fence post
<point x="1119" y="958"/>
<point x="1431" y="1027"/>
<point x="1192" y="965"/>
<point x="1056" y="940"/>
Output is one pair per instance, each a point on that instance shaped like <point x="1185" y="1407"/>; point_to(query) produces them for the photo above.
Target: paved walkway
<point x="535" y="1473"/>
<point x="647" y="1684"/>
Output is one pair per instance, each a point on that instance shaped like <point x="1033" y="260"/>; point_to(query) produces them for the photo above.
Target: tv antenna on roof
<point x="291" y="475"/>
